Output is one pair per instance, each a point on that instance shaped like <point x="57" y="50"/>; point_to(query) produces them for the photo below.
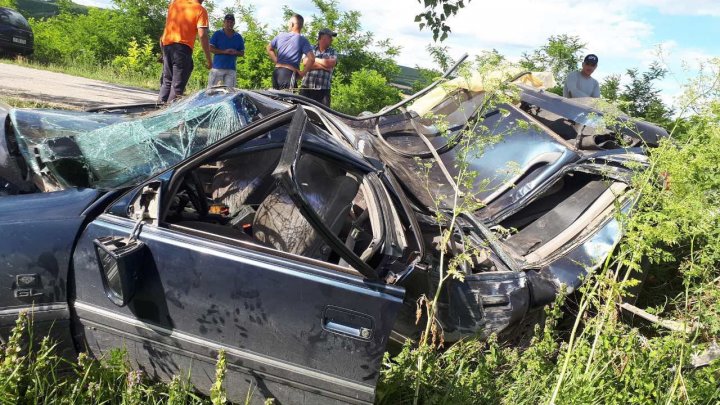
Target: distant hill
<point x="407" y="76"/>
<point x="44" y="9"/>
<point x="405" y="79"/>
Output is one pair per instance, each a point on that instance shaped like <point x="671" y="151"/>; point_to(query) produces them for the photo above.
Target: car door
<point x="295" y="329"/>
<point x="38" y="232"/>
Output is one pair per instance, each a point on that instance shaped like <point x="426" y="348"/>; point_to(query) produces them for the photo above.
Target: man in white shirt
<point x="579" y="83"/>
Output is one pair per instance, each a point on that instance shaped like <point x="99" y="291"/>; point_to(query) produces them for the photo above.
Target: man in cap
<point x="579" y="83"/>
<point x="185" y="20"/>
<point x="286" y="50"/>
<point x="227" y="45"/>
<point x="316" y="83"/>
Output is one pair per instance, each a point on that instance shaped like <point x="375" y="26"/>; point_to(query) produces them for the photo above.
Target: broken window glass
<point x="108" y="151"/>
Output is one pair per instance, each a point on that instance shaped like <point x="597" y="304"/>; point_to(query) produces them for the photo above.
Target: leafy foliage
<point x="639" y="97"/>
<point x="367" y="91"/>
<point x="9" y="4"/>
<point x="593" y="354"/>
<point x="560" y="55"/>
<point x="32" y="372"/>
<point x="610" y="88"/>
<point x="436" y="14"/>
<point x="357" y="49"/>
<point x="255" y="68"/>
<point x="140" y="58"/>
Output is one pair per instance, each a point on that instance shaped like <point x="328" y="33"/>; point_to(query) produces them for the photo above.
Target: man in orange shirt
<point x="185" y="19"/>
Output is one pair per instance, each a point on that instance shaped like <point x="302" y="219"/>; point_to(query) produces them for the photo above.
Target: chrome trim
<point x="173" y="334"/>
<point x="33" y="308"/>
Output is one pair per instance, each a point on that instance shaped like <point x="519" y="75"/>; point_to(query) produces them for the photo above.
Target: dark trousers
<point x="283" y="78"/>
<point x="177" y="67"/>
<point x="322" y="96"/>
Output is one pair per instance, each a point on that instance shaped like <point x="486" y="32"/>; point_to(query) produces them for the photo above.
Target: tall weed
<point x="32" y="373"/>
<point x="673" y="234"/>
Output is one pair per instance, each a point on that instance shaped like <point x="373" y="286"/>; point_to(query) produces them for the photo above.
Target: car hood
<point x="87" y="149"/>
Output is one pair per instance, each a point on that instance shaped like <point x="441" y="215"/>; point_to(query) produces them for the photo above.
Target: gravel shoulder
<point x="66" y="90"/>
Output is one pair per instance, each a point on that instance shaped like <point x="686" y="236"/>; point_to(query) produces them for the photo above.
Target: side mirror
<point x="120" y="259"/>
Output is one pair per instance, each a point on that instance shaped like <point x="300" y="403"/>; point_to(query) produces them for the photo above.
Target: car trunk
<point x="572" y="206"/>
<point x="515" y="149"/>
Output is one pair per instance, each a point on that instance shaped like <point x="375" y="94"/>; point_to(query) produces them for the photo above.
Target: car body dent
<point x="295" y="345"/>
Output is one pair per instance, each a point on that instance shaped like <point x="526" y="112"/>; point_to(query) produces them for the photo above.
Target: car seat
<point x="328" y="189"/>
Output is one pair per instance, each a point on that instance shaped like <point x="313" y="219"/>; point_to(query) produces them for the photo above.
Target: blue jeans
<point x="224" y="77"/>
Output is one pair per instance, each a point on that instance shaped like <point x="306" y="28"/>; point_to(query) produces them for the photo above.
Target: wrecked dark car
<point x="295" y="238"/>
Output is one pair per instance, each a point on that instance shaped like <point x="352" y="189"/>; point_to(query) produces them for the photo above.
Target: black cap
<point x="327" y="31"/>
<point x="230" y="17"/>
<point x="591" y="59"/>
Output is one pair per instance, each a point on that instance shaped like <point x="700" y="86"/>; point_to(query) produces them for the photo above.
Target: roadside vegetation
<point x="36" y="374"/>
<point x="121" y="45"/>
<point x="25" y="103"/>
<point x="587" y="350"/>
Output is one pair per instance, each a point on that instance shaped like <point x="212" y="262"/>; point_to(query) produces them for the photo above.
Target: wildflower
<point x="134" y="378"/>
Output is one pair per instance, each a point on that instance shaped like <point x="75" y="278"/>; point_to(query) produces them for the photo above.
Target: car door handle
<point x="347" y="322"/>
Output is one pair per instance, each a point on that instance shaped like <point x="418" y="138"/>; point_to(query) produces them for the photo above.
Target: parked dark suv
<point x="15" y="32"/>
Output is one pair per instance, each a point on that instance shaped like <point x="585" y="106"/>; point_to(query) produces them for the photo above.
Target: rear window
<point x="13" y="19"/>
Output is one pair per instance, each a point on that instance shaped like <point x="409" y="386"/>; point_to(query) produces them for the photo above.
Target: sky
<point x="622" y="33"/>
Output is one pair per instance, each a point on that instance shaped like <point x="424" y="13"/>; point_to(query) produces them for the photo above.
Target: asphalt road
<point x="65" y="90"/>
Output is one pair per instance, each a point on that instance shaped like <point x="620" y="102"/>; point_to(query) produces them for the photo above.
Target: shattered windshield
<point x="85" y="150"/>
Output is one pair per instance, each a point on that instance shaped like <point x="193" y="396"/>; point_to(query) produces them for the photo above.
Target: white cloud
<point x="613" y="29"/>
<point x="686" y="7"/>
<point x="511" y="26"/>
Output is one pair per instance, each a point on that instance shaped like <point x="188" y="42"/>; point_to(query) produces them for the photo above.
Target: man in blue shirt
<point x="227" y="45"/>
<point x="286" y="50"/>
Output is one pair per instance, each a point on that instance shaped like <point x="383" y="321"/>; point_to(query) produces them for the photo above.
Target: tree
<point x="9" y="4"/>
<point x="435" y="16"/>
<point x="255" y="68"/>
<point x="610" y="88"/>
<point x="560" y="56"/>
<point x="641" y="99"/>
<point x="357" y="49"/>
<point x="147" y="16"/>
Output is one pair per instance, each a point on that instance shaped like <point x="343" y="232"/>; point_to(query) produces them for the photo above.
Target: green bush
<point x="367" y="91"/>
<point x="140" y="59"/>
<point x="95" y="38"/>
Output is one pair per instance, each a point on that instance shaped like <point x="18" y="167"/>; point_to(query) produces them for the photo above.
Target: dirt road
<point x="65" y="90"/>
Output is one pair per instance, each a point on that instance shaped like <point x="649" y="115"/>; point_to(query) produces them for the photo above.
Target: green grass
<point x="18" y="102"/>
<point x="105" y="72"/>
<point x="32" y="372"/>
